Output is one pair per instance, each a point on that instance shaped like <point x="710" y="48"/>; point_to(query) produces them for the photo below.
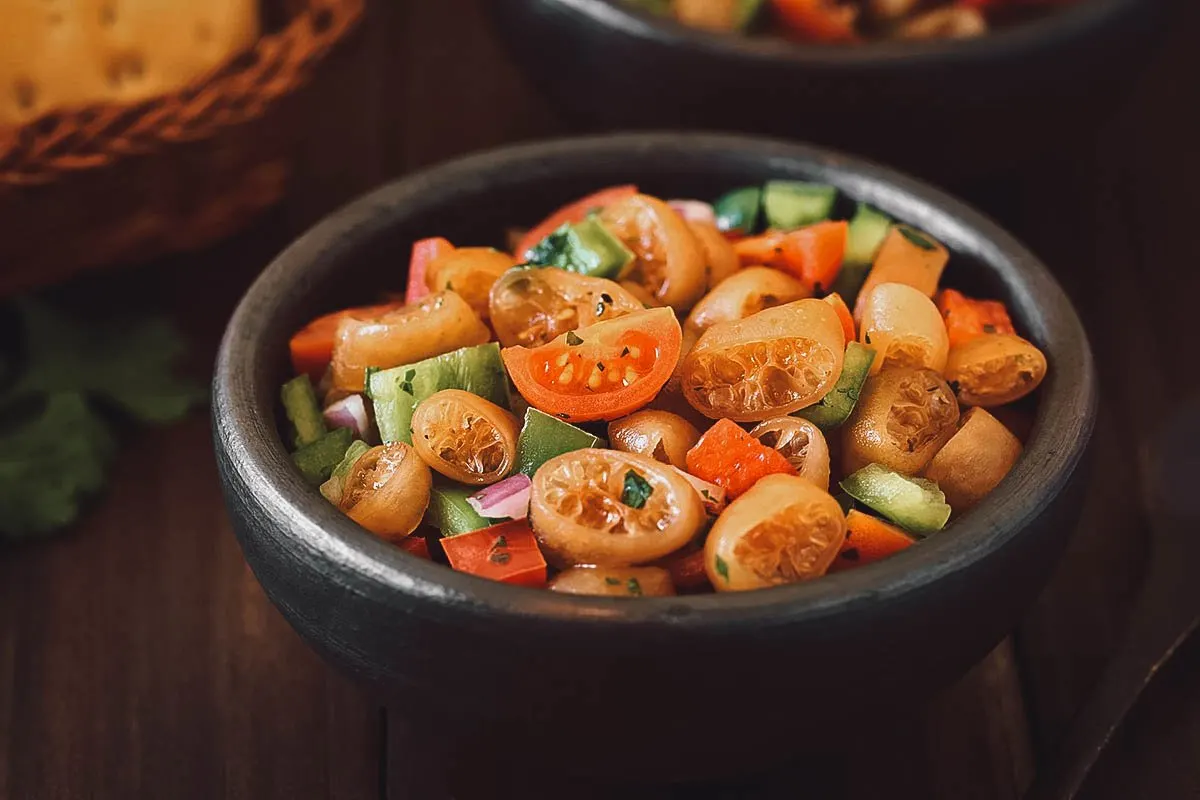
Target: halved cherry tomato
<point x="843" y="312"/>
<point x="603" y="372"/>
<point x="573" y="212"/>
<point x="424" y="253"/>
<point x="312" y="345"/>
<point x="813" y="254"/>
<point x="507" y="552"/>
<point x="822" y="20"/>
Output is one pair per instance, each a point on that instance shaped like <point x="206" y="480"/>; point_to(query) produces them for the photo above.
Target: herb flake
<point x="637" y="490"/>
<point x="916" y="238"/>
<point x="406" y="385"/>
<point x="611" y="581"/>
<point x="722" y="568"/>
<point x="634" y="587"/>
<point x="573" y="340"/>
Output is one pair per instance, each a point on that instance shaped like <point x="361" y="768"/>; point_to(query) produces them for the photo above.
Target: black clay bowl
<point x="660" y="686"/>
<point x="946" y="109"/>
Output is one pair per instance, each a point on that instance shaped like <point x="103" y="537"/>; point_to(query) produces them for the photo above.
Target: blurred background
<point x="155" y="156"/>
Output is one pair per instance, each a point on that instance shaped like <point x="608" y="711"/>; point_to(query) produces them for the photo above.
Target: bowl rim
<point x="1078" y="22"/>
<point x="252" y="453"/>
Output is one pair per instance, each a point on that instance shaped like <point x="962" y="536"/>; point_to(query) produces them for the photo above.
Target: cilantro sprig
<point x="62" y="379"/>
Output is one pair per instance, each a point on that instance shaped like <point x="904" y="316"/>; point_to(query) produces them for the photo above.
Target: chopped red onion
<point x="349" y="412"/>
<point x="694" y="210"/>
<point x="508" y="499"/>
<point x="712" y="495"/>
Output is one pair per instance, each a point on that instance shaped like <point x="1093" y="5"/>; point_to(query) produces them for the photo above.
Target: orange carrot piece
<point x="813" y="254"/>
<point x="572" y="212"/>
<point x="424" y="253"/>
<point x="733" y="459"/>
<point x="868" y="539"/>
<point x="843" y="312"/>
<point x="507" y="552"/>
<point x="312" y="346"/>
<point x="967" y="318"/>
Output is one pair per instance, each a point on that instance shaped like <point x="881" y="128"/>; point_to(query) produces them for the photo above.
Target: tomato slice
<point x="819" y="20"/>
<point x="312" y="345"/>
<point x="573" y="212"/>
<point x="812" y="254"/>
<point x="603" y="372"/>
<point x="507" y="552"/>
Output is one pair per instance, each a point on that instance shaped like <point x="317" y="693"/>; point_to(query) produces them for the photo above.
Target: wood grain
<point x="138" y="658"/>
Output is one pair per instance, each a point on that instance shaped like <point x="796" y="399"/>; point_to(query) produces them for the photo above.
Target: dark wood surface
<point x="139" y="658"/>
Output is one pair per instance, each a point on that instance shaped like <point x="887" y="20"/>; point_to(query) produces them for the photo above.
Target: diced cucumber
<point x="332" y="489"/>
<point x="543" y="437"/>
<point x="316" y="460"/>
<point x="738" y="211"/>
<point x="302" y="409"/>
<point x="746" y="12"/>
<point x="396" y="392"/>
<point x="915" y="504"/>
<point x="449" y="511"/>
<point x="794" y="204"/>
<point x="586" y="247"/>
<point x="868" y="229"/>
<point x="836" y="407"/>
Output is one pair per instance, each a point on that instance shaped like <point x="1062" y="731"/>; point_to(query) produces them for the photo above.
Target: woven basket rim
<point x="238" y="90"/>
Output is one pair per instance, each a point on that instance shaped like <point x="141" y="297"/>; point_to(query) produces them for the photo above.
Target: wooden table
<point x="140" y="659"/>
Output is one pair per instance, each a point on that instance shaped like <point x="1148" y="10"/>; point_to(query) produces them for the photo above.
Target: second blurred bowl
<point x="947" y="109"/>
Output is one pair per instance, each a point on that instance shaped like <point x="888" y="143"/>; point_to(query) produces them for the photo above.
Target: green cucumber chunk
<point x="543" y="437"/>
<point x="332" y="489"/>
<point x="793" y="204"/>
<point x="868" y="229"/>
<point x="449" y="511"/>
<point x="746" y="12"/>
<point x="316" y="460"/>
<point x="302" y="409"/>
<point x="836" y="407"/>
<point x="586" y="247"/>
<point x="738" y="211"/>
<point x="915" y="504"/>
<point x="396" y="392"/>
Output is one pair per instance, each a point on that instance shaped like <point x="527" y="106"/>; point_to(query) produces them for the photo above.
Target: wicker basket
<point x="117" y="184"/>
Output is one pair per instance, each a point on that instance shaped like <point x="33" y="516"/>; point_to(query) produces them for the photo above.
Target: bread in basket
<point x="133" y="128"/>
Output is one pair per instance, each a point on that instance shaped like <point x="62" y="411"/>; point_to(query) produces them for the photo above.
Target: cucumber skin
<point x="543" y="437"/>
<point x="788" y="205"/>
<point x="303" y="410"/>
<point x="868" y="229"/>
<point x="877" y="487"/>
<point x="739" y="210"/>
<point x="478" y="370"/>
<point x="450" y="512"/>
<point x="837" y="406"/>
<point x="586" y="248"/>
<point x="317" y="460"/>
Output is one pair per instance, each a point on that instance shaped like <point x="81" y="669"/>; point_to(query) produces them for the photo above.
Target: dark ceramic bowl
<point x="946" y="109"/>
<point x="669" y="687"/>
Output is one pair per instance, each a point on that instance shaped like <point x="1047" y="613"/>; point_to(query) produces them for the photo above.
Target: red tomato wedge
<point x="733" y="459"/>
<point x="312" y="345"/>
<point x="687" y="570"/>
<point x="574" y="212"/>
<point x="415" y="544"/>
<point x="967" y="318"/>
<point x="602" y="372"/>
<point x="507" y="552"/>
<point x="424" y="253"/>
<point x="813" y="254"/>
<point x="820" y="20"/>
<point x="843" y="312"/>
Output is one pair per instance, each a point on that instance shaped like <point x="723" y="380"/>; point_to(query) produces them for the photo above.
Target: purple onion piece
<point x="694" y="210"/>
<point x="508" y="499"/>
<point x="349" y="412"/>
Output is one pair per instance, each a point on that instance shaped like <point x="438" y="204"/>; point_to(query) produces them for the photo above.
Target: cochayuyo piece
<point x="650" y="397"/>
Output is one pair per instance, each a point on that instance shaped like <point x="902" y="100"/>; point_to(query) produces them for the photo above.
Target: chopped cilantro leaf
<point x="406" y="385"/>
<point x="634" y="587"/>
<point x="916" y="238"/>
<point x="637" y="490"/>
<point x="501" y="542"/>
<point x="722" y="568"/>
<point x="611" y="581"/>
